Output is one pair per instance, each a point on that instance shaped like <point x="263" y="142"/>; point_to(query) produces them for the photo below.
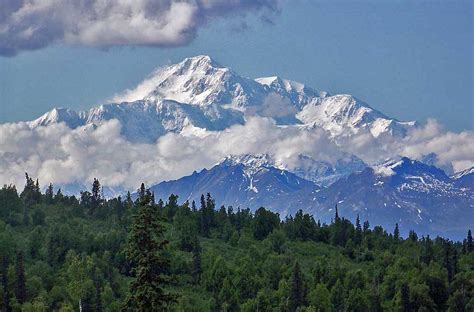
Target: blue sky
<point x="408" y="59"/>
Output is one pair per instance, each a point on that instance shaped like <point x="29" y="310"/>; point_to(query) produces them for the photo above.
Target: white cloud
<point x="274" y="106"/>
<point x="140" y="91"/>
<point x="61" y="155"/>
<point x="34" y="24"/>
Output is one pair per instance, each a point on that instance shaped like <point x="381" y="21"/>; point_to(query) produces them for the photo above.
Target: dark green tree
<point x="20" y="283"/>
<point x="141" y="193"/>
<point x="207" y="214"/>
<point x="171" y="206"/>
<point x="297" y="293"/>
<point x="336" y="215"/>
<point x="448" y="261"/>
<point x="358" y="231"/>
<point x="396" y="232"/>
<point x="49" y="194"/>
<point x="469" y="243"/>
<point x="412" y="236"/>
<point x="366" y="226"/>
<point x="5" y="285"/>
<point x="264" y="222"/>
<point x="96" y="197"/>
<point x="404" y="304"/>
<point x="149" y="266"/>
<point x="197" y="261"/>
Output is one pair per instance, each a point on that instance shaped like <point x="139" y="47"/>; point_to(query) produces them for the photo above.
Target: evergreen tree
<point x="297" y="296"/>
<point x="448" y="264"/>
<point x="455" y="262"/>
<point x="31" y="194"/>
<point x="366" y="226"/>
<point x="171" y="206"/>
<point x="197" y="268"/>
<point x="207" y="214"/>
<point x="336" y="215"/>
<point x="141" y="193"/>
<point x="128" y="201"/>
<point x="412" y="236"/>
<point x="59" y="195"/>
<point x="469" y="243"/>
<point x="20" y="283"/>
<point x="49" y="194"/>
<point x="5" y="286"/>
<point x="149" y="266"/>
<point x="264" y="222"/>
<point x="404" y="298"/>
<point x="96" y="197"/>
<point x="396" y="232"/>
<point x="358" y="233"/>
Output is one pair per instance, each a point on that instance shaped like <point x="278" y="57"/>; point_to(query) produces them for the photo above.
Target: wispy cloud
<point x="35" y="24"/>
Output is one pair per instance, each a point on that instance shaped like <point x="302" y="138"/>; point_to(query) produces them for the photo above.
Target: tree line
<point x="138" y="253"/>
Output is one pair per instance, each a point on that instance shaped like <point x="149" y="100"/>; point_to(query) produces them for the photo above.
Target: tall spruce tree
<point x="207" y="214"/>
<point x="197" y="261"/>
<point x="396" y="232"/>
<point x="366" y="226"/>
<point x="297" y="295"/>
<point x="336" y="215"/>
<point x="358" y="232"/>
<point x="141" y="193"/>
<point x="49" y="194"/>
<point x="96" y="196"/>
<point x="20" y="283"/>
<point x="469" y="243"/>
<point x="404" y="298"/>
<point x="5" y="286"/>
<point x="448" y="261"/>
<point x="149" y="266"/>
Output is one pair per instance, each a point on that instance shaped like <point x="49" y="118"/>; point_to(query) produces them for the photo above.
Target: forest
<point x="138" y="253"/>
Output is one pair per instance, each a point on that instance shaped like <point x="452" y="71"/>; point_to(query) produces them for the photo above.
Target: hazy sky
<point x="409" y="59"/>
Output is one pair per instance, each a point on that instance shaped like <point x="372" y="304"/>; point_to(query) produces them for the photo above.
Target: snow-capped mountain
<point x="415" y="195"/>
<point x="408" y="192"/>
<point x="200" y="92"/>
<point x="246" y="182"/>
<point x="325" y="173"/>
<point x="465" y="179"/>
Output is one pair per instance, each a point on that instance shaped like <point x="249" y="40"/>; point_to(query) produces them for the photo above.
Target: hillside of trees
<point x="62" y="253"/>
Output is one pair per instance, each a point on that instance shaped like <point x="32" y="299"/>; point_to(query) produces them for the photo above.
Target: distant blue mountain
<point x="408" y="192"/>
<point x="253" y="183"/>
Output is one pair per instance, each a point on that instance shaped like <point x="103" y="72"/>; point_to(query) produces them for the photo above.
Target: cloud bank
<point x="61" y="155"/>
<point x="35" y="24"/>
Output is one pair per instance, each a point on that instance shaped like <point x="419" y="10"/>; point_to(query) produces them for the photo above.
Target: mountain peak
<point x="56" y="115"/>
<point x="201" y="60"/>
<point x="252" y="162"/>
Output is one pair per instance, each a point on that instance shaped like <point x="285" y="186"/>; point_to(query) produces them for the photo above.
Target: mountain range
<point x="199" y="92"/>
<point x="198" y="95"/>
<point x="408" y="192"/>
